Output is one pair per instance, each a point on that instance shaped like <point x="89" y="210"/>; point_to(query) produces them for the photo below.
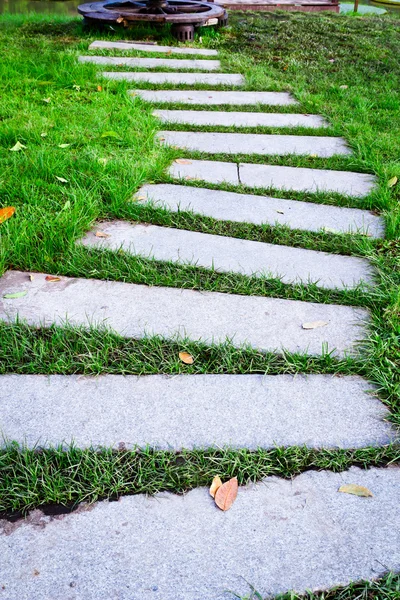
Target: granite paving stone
<point x="109" y="45"/>
<point x="279" y="177"/>
<point x="153" y="63"/>
<point x="227" y="254"/>
<point x="138" y="311"/>
<point x="247" y="208"/>
<point x="251" y="143"/>
<point x="212" y="97"/>
<point x="192" y="411"/>
<point x="239" y="119"/>
<point x="279" y="535"/>
<point x="178" y="78"/>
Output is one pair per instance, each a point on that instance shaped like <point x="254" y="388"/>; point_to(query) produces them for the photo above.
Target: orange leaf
<point x="99" y="88"/>
<point x="186" y="358"/>
<point x="6" y="213"/>
<point x="226" y="494"/>
<point x="216" y="484"/>
<point x="52" y="278"/>
<point x="101" y="234"/>
<point x="183" y="161"/>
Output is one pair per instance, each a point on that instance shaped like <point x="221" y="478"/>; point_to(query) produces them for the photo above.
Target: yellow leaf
<point x="356" y="490"/>
<point x="392" y="182"/>
<point x="99" y="88"/>
<point x="186" y="358"/>
<point x="183" y="161"/>
<point x="101" y="234"/>
<point x="31" y="277"/>
<point x="314" y="324"/>
<point x="216" y="484"/>
<point x="18" y="146"/>
<point x="313" y="156"/>
<point x="6" y="213"/>
<point x="226" y="494"/>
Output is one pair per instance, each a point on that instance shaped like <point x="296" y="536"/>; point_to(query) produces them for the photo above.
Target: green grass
<point x="280" y="52"/>
<point x="385" y="588"/>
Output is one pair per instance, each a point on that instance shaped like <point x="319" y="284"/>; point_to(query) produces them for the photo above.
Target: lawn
<point x="88" y="147"/>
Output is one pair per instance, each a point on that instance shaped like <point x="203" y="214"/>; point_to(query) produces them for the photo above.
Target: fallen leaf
<point x="120" y="19"/>
<point x="312" y="155"/>
<point x="99" y="88"/>
<point x="102" y="234"/>
<point x="47" y="100"/>
<point x="314" y="324"/>
<point x="6" y="213"/>
<point x="63" y="145"/>
<point x="140" y="198"/>
<point x="43" y="135"/>
<point x="77" y="87"/>
<point x="18" y="146"/>
<point x="62" y="179"/>
<point x="103" y="161"/>
<point x="183" y="161"/>
<point x="162" y="139"/>
<point x="392" y="182"/>
<point x="330" y="230"/>
<point x="280" y="212"/>
<point x="31" y="277"/>
<point x="226" y="494"/>
<point x="186" y="358"/>
<point x="52" y="278"/>
<point x="356" y="490"/>
<point x="113" y="134"/>
<point x="15" y="295"/>
<point x="216" y="484"/>
<point x="343" y="87"/>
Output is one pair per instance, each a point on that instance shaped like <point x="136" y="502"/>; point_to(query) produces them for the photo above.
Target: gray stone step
<point x="226" y="254"/>
<point x="192" y="411"/>
<point x="246" y="208"/>
<point x="283" y="178"/>
<point x="238" y="119"/>
<point x="150" y="48"/>
<point x="153" y="63"/>
<point x="251" y="143"/>
<point x="279" y="535"/>
<point x="178" y="78"/>
<point x="212" y="97"/>
<point x="138" y="310"/>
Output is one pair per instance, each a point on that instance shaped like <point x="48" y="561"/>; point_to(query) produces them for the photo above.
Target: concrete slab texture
<point x="279" y="177"/>
<point x="192" y="411"/>
<point x="247" y="208"/>
<point x="177" y="78"/>
<point x="227" y="254"/>
<point x="279" y="535"/>
<point x="238" y="119"/>
<point x="251" y="143"/>
<point x="213" y="97"/>
<point x="138" y="47"/>
<point x="138" y="310"/>
<point x="153" y="63"/>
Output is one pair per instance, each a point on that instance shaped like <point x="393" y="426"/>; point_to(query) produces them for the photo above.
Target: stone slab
<point x="227" y="254"/>
<point x="246" y="208"/>
<point x="283" y="178"/>
<point x="178" y="78"/>
<point x="307" y="180"/>
<point x="239" y="119"/>
<point x="192" y="411"/>
<point x="138" y="311"/>
<point x="252" y="143"/>
<point x="105" y="45"/>
<point x="152" y="63"/>
<point x="212" y="97"/>
<point x="279" y="535"/>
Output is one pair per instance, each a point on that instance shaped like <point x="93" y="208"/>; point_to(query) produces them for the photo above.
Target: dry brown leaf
<point x="216" y="484"/>
<point x="226" y="494"/>
<point x="52" y="278"/>
<point x="356" y="490"/>
<point x="186" y="358"/>
<point x="6" y="213"/>
<point x="120" y="19"/>
<point x="314" y="324"/>
<point x="102" y="234"/>
<point x="183" y="161"/>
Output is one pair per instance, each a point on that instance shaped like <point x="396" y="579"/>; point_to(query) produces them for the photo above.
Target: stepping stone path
<point x="280" y="534"/>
